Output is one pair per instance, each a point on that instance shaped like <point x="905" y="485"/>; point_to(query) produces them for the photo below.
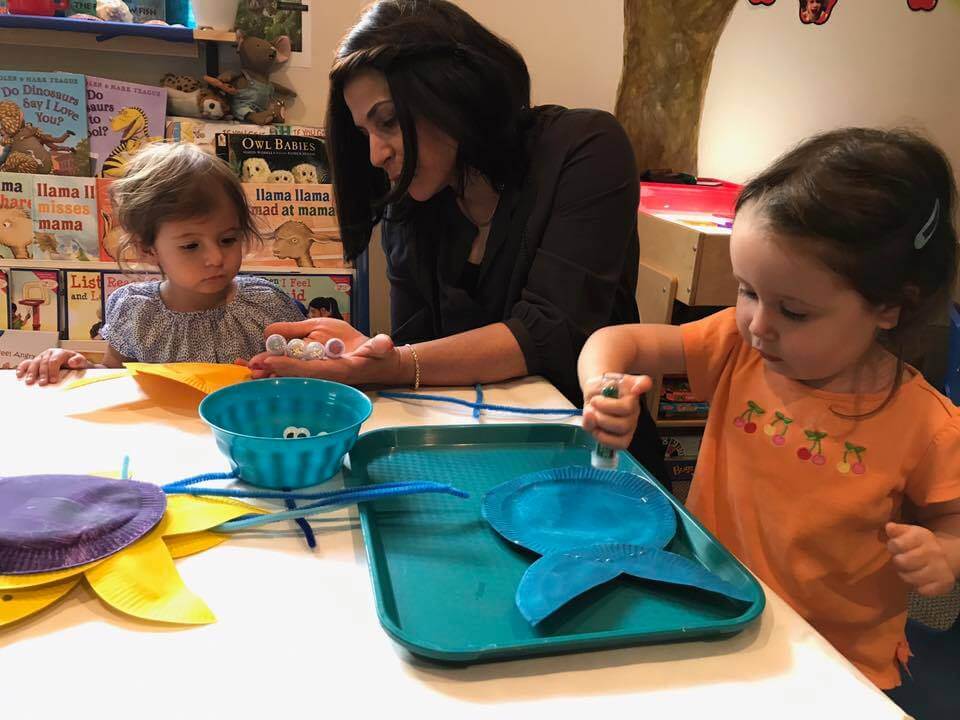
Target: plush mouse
<point x="253" y="97"/>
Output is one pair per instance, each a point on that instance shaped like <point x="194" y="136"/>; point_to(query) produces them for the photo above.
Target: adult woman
<point x="510" y="232"/>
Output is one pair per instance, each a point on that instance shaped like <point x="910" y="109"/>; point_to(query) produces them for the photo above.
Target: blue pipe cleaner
<point x="572" y="412"/>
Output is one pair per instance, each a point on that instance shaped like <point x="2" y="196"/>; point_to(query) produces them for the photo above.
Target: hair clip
<point x="926" y="232"/>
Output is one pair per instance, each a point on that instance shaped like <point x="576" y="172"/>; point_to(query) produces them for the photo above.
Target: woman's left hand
<point x="919" y="558"/>
<point x="365" y="360"/>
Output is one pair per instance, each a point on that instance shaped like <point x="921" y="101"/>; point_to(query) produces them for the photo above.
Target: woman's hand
<point x="365" y="360"/>
<point x="45" y="367"/>
<point x="612" y="421"/>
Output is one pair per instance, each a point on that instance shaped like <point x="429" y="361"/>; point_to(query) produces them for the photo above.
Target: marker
<point x="606" y="457"/>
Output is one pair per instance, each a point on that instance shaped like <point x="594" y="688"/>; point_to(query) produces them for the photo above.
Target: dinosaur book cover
<point x="298" y="224"/>
<point x="65" y="219"/>
<point x="321" y="295"/>
<point x="122" y="117"/>
<point x="43" y="123"/>
<point x="35" y="300"/>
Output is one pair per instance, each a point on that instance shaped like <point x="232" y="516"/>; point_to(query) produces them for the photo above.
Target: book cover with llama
<point x="84" y="304"/>
<point x="43" y="123"/>
<point x="16" y="216"/>
<point x="331" y="292"/>
<point x="298" y="224"/>
<point x="65" y="218"/>
<point x="122" y="117"/>
<point x="35" y="300"/>
<point x="4" y="302"/>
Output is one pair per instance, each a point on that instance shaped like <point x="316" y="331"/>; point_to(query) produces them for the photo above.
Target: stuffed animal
<point x="281" y="176"/>
<point x="255" y="170"/>
<point x="252" y="96"/>
<point x="188" y="97"/>
<point x="114" y="11"/>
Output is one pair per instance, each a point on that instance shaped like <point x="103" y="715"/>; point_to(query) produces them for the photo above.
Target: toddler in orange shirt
<point x="828" y="466"/>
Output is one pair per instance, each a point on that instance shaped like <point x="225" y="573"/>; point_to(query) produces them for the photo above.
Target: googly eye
<point x="303" y="433"/>
<point x="290" y="432"/>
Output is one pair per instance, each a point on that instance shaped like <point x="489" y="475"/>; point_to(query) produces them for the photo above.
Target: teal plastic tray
<point x="445" y="581"/>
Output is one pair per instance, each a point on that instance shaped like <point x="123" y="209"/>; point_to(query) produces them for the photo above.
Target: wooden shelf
<point x="678" y="423"/>
<point x="100" y="265"/>
<point x="135" y="38"/>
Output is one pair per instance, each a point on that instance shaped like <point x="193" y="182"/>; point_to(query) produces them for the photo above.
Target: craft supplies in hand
<point x="300" y="350"/>
<point x="334" y="348"/>
<point x="603" y="456"/>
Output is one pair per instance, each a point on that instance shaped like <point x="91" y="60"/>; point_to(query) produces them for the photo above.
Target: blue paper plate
<point x="556" y="579"/>
<point x="566" y="508"/>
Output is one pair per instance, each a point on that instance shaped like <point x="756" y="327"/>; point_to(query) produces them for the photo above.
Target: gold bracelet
<point x="416" y="367"/>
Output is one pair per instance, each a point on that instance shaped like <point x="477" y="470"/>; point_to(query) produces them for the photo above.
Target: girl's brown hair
<point x="876" y="207"/>
<point x="173" y="181"/>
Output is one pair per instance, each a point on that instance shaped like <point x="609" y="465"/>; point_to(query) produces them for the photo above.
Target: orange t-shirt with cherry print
<point x="801" y="494"/>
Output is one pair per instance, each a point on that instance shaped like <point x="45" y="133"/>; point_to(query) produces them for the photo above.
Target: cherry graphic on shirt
<point x="778" y="436"/>
<point x="858" y="467"/>
<point x="814" y="453"/>
<point x="745" y="420"/>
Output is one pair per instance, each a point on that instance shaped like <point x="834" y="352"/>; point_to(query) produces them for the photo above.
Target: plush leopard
<point x="188" y="97"/>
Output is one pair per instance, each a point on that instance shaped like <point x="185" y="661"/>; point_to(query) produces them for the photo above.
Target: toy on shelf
<point x="253" y="97"/>
<point x="189" y="97"/>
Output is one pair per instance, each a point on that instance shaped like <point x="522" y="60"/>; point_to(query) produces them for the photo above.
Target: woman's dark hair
<point x="440" y="65"/>
<point x="329" y="304"/>
<point x="876" y="207"/>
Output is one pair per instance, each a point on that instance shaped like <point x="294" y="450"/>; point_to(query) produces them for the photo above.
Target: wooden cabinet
<point x="678" y="261"/>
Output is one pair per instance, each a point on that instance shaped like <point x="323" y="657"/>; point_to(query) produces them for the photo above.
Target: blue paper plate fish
<point x="591" y="526"/>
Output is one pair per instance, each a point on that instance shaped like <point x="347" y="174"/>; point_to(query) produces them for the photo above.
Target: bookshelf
<point x="135" y="38"/>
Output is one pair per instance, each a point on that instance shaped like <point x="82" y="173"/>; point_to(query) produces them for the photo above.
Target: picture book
<point x="43" y="123"/>
<point x="298" y="224"/>
<point x="65" y="218"/>
<point x="19" y="345"/>
<point x="84" y="304"/>
<point x="204" y="132"/>
<point x="111" y="281"/>
<point x="275" y="158"/>
<point x="16" y="216"/>
<point x="330" y="294"/>
<point x="146" y="10"/>
<point x="35" y="299"/>
<point x="4" y="302"/>
<point x="122" y="117"/>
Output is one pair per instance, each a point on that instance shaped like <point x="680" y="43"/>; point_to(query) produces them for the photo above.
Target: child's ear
<point x="888" y="317"/>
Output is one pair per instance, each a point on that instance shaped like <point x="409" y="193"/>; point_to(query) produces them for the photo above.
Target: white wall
<point x="875" y="62"/>
<point x="574" y="49"/>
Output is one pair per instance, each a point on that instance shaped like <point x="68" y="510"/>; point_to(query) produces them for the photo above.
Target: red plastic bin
<point x="716" y="197"/>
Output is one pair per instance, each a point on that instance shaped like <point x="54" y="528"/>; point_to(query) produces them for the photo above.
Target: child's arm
<point x="927" y="556"/>
<point x="45" y="367"/>
<point x="629" y="349"/>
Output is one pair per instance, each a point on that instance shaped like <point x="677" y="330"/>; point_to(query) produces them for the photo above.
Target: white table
<point x="297" y="634"/>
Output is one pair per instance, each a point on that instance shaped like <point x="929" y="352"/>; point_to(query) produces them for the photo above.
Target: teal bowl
<point x="249" y="419"/>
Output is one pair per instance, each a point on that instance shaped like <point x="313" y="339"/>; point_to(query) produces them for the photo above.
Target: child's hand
<point x="45" y="367"/>
<point x="612" y="421"/>
<point x="919" y="558"/>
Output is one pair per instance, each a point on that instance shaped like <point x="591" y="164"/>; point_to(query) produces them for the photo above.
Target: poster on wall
<point x="271" y="19"/>
<point x="817" y="12"/>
